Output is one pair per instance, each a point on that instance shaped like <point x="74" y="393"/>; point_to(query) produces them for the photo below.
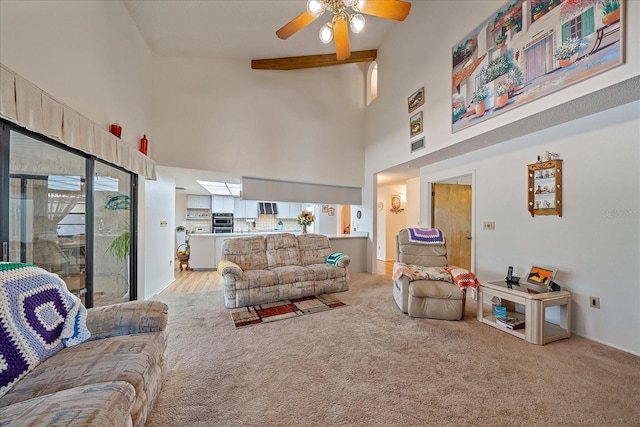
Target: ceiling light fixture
<point x="339" y="12"/>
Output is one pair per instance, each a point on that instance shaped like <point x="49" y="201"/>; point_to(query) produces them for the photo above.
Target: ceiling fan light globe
<point x="350" y="3"/>
<point x="315" y="7"/>
<point x="356" y="23"/>
<point x="326" y="34"/>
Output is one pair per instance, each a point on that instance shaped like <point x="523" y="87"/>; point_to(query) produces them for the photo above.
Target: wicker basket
<point x="182" y="253"/>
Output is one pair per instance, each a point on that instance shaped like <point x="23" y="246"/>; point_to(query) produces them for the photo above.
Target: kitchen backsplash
<point x="265" y="222"/>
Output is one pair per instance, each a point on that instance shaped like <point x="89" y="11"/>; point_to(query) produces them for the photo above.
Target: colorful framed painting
<point x="416" y="99"/>
<point x="415" y="124"/>
<point x="541" y="275"/>
<point x="530" y="48"/>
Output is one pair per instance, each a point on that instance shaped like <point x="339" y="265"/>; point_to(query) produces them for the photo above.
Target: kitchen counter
<point x="206" y="248"/>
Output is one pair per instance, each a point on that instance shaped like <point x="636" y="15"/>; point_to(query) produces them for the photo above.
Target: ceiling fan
<point x="344" y="12"/>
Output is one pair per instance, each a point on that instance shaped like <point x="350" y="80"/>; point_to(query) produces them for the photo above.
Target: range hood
<point x="267" y="208"/>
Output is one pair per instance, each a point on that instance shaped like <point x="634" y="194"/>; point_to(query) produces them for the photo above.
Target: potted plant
<point x="502" y="94"/>
<point x="611" y="11"/>
<point x="120" y="246"/>
<point x="479" y="96"/>
<point x="538" y="9"/>
<point x="515" y="79"/>
<point x="501" y="40"/>
<point x="568" y="51"/>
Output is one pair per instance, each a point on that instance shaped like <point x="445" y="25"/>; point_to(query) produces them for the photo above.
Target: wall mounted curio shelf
<point x="545" y="188"/>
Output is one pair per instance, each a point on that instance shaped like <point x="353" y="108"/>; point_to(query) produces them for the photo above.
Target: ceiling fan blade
<point x="295" y="25"/>
<point x="341" y="37"/>
<point x="389" y="9"/>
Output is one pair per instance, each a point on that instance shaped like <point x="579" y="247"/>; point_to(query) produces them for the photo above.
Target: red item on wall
<point x="116" y="129"/>
<point x="144" y="144"/>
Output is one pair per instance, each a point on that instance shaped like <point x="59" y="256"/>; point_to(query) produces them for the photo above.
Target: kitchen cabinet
<point x="223" y="204"/>
<point x="198" y="202"/>
<point x="288" y="210"/>
<point x="245" y="208"/>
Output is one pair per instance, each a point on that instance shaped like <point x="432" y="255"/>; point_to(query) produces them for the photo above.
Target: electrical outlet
<point x="163" y="223"/>
<point x="594" y="302"/>
<point x="489" y="225"/>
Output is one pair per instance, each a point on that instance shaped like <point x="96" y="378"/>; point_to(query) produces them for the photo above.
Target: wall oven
<point x="222" y="222"/>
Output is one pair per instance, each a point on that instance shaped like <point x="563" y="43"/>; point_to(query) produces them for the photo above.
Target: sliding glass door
<point x="68" y="214"/>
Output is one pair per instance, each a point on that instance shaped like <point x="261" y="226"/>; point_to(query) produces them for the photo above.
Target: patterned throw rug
<point x="263" y="313"/>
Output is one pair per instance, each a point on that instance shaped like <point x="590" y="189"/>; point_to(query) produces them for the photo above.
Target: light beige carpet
<point x="368" y="364"/>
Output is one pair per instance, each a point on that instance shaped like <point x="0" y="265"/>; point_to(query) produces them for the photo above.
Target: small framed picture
<point x="416" y="99"/>
<point x="541" y="275"/>
<point x="332" y="212"/>
<point x="415" y="124"/>
<point x="325" y="208"/>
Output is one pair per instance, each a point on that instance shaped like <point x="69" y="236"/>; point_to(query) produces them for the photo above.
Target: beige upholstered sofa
<point x="423" y="284"/>
<point x="267" y="268"/>
<point x="111" y="379"/>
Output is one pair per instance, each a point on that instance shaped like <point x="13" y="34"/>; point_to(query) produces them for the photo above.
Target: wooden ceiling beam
<point x="312" y="61"/>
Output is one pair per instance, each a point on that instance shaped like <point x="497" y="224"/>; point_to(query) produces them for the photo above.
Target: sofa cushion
<point x="282" y="249"/>
<point x="39" y="318"/>
<point x="97" y="405"/>
<point x="136" y="359"/>
<point x="327" y="271"/>
<point x="314" y="248"/>
<point x="248" y="252"/>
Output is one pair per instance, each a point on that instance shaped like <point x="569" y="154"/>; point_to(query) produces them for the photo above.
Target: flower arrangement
<point x="305" y="218"/>
<point x="501" y="39"/>
<point x="569" y="48"/>
<point x="480" y="94"/>
<point x="496" y="68"/>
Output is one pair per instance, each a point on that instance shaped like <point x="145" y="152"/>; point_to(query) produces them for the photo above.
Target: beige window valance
<point x="27" y="105"/>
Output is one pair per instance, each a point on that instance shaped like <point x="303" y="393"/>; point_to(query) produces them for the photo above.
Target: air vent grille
<point x="417" y="144"/>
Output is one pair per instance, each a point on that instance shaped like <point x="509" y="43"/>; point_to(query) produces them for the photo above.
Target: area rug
<point x="285" y="309"/>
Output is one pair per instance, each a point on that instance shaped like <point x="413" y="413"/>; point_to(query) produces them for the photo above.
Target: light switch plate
<point x="489" y="225"/>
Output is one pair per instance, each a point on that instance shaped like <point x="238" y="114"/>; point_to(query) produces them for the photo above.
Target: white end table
<point x="537" y="330"/>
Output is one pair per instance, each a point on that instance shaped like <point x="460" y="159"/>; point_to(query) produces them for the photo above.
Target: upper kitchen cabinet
<point x="245" y="208"/>
<point x="288" y="210"/>
<point x="223" y="204"/>
<point x="198" y="202"/>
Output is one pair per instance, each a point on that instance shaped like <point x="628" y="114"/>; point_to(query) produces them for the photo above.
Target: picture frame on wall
<point x="332" y="212"/>
<point x="325" y="208"/>
<point x="526" y="50"/>
<point x="415" y="124"/>
<point x="416" y="99"/>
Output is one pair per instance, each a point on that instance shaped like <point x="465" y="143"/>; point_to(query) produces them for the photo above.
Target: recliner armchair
<point x="422" y="287"/>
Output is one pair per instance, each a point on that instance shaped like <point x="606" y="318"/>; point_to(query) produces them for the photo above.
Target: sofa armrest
<point x="229" y="268"/>
<point x="133" y="317"/>
<point x="338" y="259"/>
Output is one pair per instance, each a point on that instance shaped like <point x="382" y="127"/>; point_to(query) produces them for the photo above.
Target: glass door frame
<point x="6" y="128"/>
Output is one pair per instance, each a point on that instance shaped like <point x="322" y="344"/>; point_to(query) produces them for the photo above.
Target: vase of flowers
<point x="305" y="219"/>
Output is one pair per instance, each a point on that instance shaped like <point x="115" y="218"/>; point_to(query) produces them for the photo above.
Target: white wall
<point x="158" y="271"/>
<point x="412" y="207"/>
<point x="595" y="244"/>
<point x="600" y="151"/>
<point x="91" y="56"/>
<point x="220" y="115"/>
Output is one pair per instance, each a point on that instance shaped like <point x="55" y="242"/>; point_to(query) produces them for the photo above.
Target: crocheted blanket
<point x="426" y="236"/>
<point x="459" y="276"/>
<point x="38" y="318"/>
